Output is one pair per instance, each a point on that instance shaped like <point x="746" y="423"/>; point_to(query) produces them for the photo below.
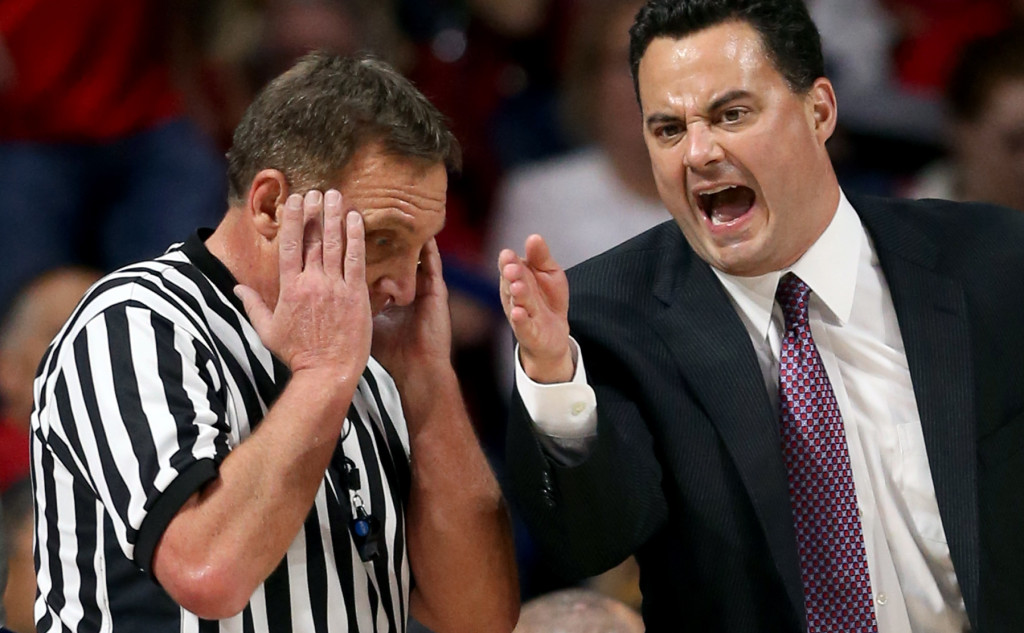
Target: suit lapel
<point x="715" y="355"/>
<point x="932" y="313"/>
<point x="700" y="324"/>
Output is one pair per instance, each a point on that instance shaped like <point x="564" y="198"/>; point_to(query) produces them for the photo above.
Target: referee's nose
<point x="397" y="287"/>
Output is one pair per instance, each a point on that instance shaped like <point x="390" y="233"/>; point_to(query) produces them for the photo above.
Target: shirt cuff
<point x="566" y="410"/>
<point x="166" y="507"/>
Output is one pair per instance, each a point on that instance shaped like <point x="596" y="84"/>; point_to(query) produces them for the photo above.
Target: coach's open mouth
<point x="726" y="203"/>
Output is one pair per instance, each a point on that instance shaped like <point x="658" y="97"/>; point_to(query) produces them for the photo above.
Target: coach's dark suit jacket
<point x="686" y="471"/>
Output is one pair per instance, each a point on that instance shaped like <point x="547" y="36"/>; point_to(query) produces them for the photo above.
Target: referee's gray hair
<point x="310" y="120"/>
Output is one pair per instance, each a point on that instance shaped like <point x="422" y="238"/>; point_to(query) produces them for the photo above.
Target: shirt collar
<point x="829" y="268"/>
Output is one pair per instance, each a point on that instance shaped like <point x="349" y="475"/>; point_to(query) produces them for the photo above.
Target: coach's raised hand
<point x="535" y="297"/>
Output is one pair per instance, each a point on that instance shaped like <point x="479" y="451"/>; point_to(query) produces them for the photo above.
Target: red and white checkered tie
<point x="833" y="562"/>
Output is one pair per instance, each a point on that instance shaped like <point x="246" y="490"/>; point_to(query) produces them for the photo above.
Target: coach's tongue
<point x="726" y="206"/>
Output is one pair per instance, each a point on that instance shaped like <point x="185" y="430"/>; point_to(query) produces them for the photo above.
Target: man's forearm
<point x="460" y="541"/>
<point x="231" y="535"/>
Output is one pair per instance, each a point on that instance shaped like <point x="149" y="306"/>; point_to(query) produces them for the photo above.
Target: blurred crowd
<point x="115" y="116"/>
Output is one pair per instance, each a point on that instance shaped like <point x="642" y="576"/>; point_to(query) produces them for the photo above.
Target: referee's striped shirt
<point x="157" y="376"/>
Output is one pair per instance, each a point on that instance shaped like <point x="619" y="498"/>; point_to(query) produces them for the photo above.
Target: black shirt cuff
<point x="166" y="506"/>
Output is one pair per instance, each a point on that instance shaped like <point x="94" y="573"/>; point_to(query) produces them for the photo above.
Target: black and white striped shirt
<point x="156" y="377"/>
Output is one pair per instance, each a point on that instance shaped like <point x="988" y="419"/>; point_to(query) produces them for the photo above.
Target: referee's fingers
<point x="355" y="247"/>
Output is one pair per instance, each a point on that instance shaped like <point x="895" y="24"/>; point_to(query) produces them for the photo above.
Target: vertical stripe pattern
<point x="151" y="383"/>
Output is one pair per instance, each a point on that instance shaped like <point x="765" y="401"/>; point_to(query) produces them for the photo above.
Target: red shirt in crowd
<point x="13" y="454"/>
<point x="86" y="70"/>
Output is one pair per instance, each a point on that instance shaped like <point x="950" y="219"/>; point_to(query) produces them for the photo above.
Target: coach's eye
<point x="734" y="115"/>
<point x="668" y="130"/>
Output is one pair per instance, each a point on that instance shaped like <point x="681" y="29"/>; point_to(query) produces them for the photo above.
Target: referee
<point x="213" y="446"/>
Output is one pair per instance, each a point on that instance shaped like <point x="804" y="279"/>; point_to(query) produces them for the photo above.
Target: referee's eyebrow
<point x="400" y="221"/>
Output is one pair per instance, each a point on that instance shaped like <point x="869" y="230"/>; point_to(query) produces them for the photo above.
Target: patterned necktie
<point x="833" y="562"/>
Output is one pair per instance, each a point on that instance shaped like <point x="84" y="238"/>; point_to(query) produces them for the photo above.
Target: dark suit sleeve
<point x="590" y="516"/>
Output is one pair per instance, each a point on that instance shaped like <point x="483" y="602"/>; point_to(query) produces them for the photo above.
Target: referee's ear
<point x="267" y="195"/>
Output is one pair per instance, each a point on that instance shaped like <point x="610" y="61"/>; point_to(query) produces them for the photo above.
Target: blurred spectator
<point x="291" y="28"/>
<point x="933" y="32"/>
<point x="592" y="199"/>
<point x="33" y="319"/>
<point x="16" y="529"/>
<point x="888" y="61"/>
<point x="240" y="44"/>
<point x="98" y="162"/>
<point x="492" y="67"/>
<point x="587" y="201"/>
<point x="985" y="133"/>
<point x="577" y="611"/>
<point x="859" y="39"/>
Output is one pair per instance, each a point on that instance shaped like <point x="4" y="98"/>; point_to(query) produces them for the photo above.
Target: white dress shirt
<point x="854" y="326"/>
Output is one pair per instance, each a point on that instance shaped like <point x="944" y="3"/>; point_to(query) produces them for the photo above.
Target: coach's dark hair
<point x="310" y="120"/>
<point x="789" y="36"/>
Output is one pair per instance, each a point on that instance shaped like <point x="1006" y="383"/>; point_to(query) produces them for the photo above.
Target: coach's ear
<point x="823" y="110"/>
<point x="267" y="195"/>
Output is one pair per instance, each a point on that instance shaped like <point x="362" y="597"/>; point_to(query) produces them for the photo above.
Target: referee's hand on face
<point x="414" y="341"/>
<point x="322" y="320"/>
